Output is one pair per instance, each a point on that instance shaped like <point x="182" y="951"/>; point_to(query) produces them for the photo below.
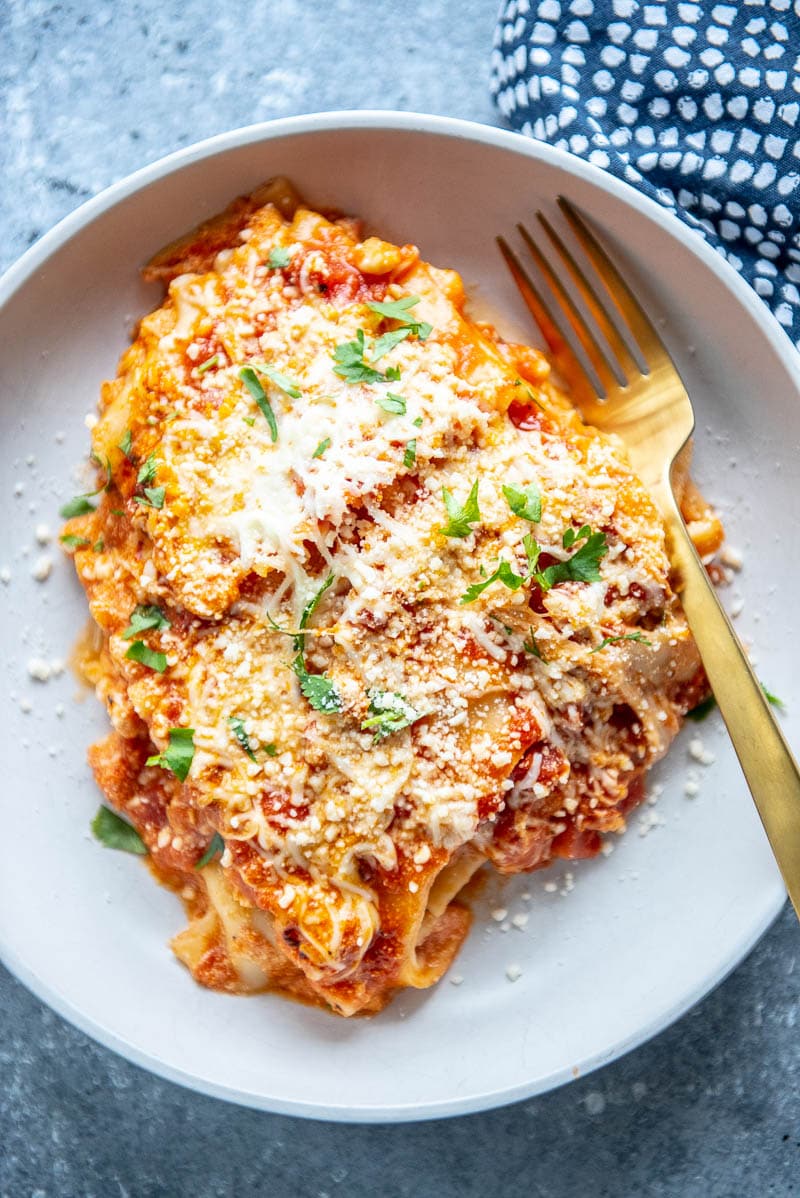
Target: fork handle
<point x="766" y="759"/>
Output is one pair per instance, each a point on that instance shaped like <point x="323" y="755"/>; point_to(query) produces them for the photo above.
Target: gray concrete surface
<point x="89" y="92"/>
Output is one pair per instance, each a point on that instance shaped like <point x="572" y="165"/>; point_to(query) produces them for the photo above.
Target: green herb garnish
<point x="154" y="660"/>
<point x="279" y="258"/>
<point x="72" y="542"/>
<point x="237" y="727"/>
<point x="390" y="402"/>
<point x="124" y="446"/>
<point x="309" y="609"/>
<point x="147" y="471"/>
<point x="503" y="573"/>
<point x="209" y="362"/>
<point x="460" y="518"/>
<point x="615" y="640"/>
<point x="280" y="380"/>
<point x="525" y="502"/>
<point x="79" y="506"/>
<point x="389" y="712"/>
<point x="583" y="566"/>
<point x="216" y="847"/>
<point x="773" y="699"/>
<point x="532" y="646"/>
<point x="323" y="445"/>
<point x="350" y="363"/>
<point x="116" y="833"/>
<point x="143" y="617"/>
<point x="410" y="455"/>
<point x="399" y="310"/>
<point x="178" y="755"/>
<point x="251" y="382"/>
<point x="320" y="691"/>
<point x="153" y="497"/>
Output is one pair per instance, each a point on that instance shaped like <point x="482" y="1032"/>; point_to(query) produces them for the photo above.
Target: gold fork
<point x="651" y="411"/>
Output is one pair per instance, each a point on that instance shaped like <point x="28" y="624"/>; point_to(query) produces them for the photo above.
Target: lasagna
<point x="372" y="607"/>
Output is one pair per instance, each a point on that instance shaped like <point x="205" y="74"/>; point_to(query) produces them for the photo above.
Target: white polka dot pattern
<point x="698" y="105"/>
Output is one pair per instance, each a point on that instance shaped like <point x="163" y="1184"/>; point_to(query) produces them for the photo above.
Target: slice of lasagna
<point x="374" y="607"/>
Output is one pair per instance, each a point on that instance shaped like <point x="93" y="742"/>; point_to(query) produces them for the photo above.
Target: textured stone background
<point x="89" y="92"/>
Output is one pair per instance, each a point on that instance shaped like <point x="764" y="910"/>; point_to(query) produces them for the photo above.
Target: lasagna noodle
<point x="303" y="515"/>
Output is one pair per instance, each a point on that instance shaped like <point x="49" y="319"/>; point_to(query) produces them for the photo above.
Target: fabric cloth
<point x="696" y="105"/>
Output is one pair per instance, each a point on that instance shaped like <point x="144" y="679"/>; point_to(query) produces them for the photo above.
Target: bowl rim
<point x="20" y="271"/>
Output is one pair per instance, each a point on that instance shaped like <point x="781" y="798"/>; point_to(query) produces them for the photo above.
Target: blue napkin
<point x="697" y="105"/>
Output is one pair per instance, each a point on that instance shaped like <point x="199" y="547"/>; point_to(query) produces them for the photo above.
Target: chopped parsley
<point x="320" y="691"/>
<point x="151" y="658"/>
<point x="323" y="445"/>
<point x="72" y="542"/>
<point x="178" y="755"/>
<point x="460" y="519"/>
<point x="147" y="471"/>
<point x="389" y="712"/>
<point x="236" y="726"/>
<point x="106" y="465"/>
<point x="773" y="699"/>
<point x="311" y="606"/>
<point x="214" y="360"/>
<point x="280" y="380"/>
<point x="79" y="506"/>
<point x="525" y="502"/>
<point x="583" y="566"/>
<point x="251" y="382"/>
<point x="388" y="341"/>
<point x="99" y="545"/>
<point x="279" y="258"/>
<point x="271" y="749"/>
<point x="145" y="616"/>
<point x="410" y="455"/>
<point x="216" y="847"/>
<point x="392" y="403"/>
<point x="532" y="646"/>
<point x="615" y="640"/>
<point x="399" y="310"/>
<point x="116" y="833"/>
<point x="350" y="364"/>
<point x="153" y="497"/>
<point x="417" y="422"/>
<point x="124" y="445"/>
<point x="503" y="574"/>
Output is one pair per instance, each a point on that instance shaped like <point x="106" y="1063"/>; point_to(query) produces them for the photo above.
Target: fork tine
<point x="582" y="331"/>
<point x="629" y="308"/>
<point x="594" y="303"/>
<point x="568" y="362"/>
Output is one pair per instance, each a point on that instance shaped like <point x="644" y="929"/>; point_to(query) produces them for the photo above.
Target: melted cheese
<point x="322" y="833"/>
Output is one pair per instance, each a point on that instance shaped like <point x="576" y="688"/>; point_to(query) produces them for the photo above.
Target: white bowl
<point x="642" y="935"/>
